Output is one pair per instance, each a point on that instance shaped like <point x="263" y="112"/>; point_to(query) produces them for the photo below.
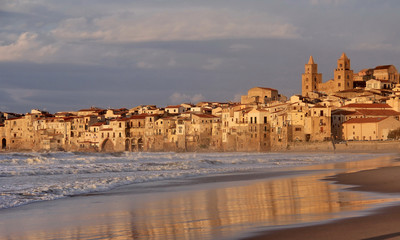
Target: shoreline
<point x="380" y="223"/>
<point x="145" y="171"/>
<point x="253" y="197"/>
<point x="392" y="146"/>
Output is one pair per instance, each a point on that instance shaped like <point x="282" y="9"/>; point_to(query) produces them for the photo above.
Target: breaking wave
<point x="30" y="177"/>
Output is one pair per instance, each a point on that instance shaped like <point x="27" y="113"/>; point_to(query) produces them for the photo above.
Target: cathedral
<point x="380" y="77"/>
<point x="312" y="80"/>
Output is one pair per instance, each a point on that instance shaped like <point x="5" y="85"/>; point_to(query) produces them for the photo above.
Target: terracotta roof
<point x="17" y="118"/>
<point x="383" y="67"/>
<point x="271" y="89"/>
<point x="68" y="118"/>
<point x="138" y="117"/>
<point x="106" y="129"/>
<point x="176" y="106"/>
<point x="365" y="120"/>
<point x="367" y="105"/>
<point x="376" y="112"/>
<point x="343" y="112"/>
<point x="205" y="115"/>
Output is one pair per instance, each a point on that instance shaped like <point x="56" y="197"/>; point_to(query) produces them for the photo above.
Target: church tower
<point x="343" y="76"/>
<point x="310" y="78"/>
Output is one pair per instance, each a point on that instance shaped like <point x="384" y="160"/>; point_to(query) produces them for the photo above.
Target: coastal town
<point x="363" y="106"/>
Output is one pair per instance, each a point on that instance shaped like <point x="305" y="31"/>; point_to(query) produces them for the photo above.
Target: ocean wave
<point x="30" y="177"/>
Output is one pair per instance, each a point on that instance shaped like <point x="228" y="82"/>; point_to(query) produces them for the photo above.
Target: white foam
<point x="29" y="177"/>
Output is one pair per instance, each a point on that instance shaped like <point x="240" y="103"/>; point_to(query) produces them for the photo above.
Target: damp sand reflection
<point x="208" y="213"/>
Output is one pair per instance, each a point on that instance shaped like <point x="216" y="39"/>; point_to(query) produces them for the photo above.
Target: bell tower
<point x="343" y="75"/>
<point x="310" y="78"/>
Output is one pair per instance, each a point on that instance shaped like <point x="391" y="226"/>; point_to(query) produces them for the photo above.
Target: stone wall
<point x="349" y="146"/>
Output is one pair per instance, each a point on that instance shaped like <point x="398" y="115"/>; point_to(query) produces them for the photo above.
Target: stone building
<point x="3" y="139"/>
<point x="353" y="111"/>
<point x="342" y="80"/>
<point x="260" y="95"/>
<point x="386" y="72"/>
<point x="369" y="128"/>
<point x="310" y="79"/>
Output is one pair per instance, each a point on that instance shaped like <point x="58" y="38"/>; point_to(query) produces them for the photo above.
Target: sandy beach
<point x="248" y="205"/>
<point x="380" y="224"/>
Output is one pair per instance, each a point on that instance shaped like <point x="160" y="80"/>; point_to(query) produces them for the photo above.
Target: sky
<point x="69" y="55"/>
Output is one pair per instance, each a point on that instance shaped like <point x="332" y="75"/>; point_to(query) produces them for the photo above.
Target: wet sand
<point x="225" y="206"/>
<point x="380" y="225"/>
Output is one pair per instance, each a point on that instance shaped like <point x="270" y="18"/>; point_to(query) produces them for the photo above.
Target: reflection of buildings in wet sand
<point x="222" y="212"/>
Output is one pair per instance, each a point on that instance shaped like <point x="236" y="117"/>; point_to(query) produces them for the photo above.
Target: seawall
<point x="345" y="146"/>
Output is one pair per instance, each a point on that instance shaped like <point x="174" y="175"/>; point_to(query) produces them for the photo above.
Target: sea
<point x="31" y="177"/>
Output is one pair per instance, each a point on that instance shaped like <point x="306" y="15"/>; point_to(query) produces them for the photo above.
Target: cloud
<point x="19" y="95"/>
<point x="178" y="98"/>
<point x="375" y="47"/>
<point x="26" y="48"/>
<point x="213" y="64"/>
<point x="174" y="25"/>
<point x="144" y="65"/>
<point x="77" y="29"/>
<point x="327" y="2"/>
<point x="239" y="47"/>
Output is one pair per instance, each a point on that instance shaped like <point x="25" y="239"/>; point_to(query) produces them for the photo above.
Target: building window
<point x="265" y="120"/>
<point x="339" y="84"/>
<point x="338" y="76"/>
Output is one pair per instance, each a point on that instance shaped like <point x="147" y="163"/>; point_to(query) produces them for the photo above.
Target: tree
<point x="394" y="134"/>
